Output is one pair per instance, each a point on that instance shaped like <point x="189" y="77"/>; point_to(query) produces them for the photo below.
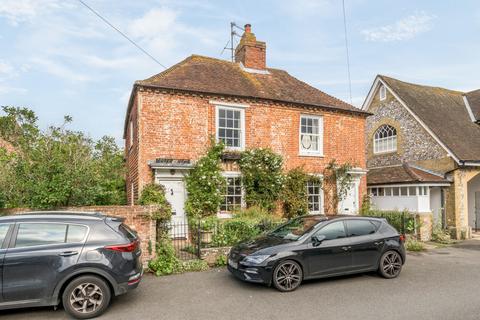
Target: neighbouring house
<point x="6" y="145"/>
<point x="423" y="151"/>
<point x="171" y="117"/>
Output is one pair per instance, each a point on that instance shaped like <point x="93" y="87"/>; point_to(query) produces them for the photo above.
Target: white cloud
<point x="6" y="68"/>
<point x="403" y="29"/>
<point x="5" y="89"/>
<point x="17" y="11"/>
<point x="154" y="23"/>
<point x="60" y="70"/>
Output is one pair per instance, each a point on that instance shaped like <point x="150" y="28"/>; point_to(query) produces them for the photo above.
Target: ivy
<point x="294" y="193"/>
<point x="154" y="194"/>
<point x="262" y="177"/>
<point x="205" y="184"/>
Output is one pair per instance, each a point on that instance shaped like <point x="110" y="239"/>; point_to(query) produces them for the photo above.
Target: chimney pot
<point x="248" y="28"/>
<point x="250" y="52"/>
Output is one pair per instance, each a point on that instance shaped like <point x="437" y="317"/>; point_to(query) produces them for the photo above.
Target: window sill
<point x="224" y="215"/>
<point x="384" y="153"/>
<point x="311" y="154"/>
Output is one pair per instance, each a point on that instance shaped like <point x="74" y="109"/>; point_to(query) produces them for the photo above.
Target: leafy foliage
<point x="165" y="262"/>
<point x="205" y="184"/>
<point x="403" y="221"/>
<point x="441" y="235"/>
<point x="57" y="167"/>
<point x="154" y="194"/>
<point x="294" y="193"/>
<point x="413" y="244"/>
<point x="262" y="177"/>
<point x="221" y="260"/>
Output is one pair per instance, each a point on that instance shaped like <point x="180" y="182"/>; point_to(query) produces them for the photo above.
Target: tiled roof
<point x="6" y="145"/>
<point x="209" y="75"/>
<point x="402" y="174"/>
<point x="473" y="98"/>
<point x="444" y="113"/>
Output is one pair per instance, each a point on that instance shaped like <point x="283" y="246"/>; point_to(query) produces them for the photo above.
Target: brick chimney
<point x="250" y="52"/>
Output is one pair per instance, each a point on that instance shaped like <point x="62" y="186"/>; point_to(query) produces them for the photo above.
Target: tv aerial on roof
<point x="230" y="44"/>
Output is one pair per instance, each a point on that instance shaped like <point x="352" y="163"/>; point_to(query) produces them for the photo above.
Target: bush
<point x="165" y="262"/>
<point x="400" y="220"/>
<point x="194" y="265"/>
<point x="154" y="194"/>
<point x="440" y="235"/>
<point x="205" y="184"/>
<point x="294" y="193"/>
<point x="221" y="261"/>
<point x="414" y="245"/>
<point x="262" y="177"/>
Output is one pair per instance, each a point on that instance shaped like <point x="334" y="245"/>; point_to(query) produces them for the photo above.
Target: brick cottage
<point x="172" y="116"/>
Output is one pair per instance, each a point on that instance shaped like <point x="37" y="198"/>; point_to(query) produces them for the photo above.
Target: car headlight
<point x="255" y="259"/>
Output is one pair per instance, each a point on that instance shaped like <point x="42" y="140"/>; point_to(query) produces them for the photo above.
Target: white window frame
<point x="322" y="204"/>
<point x="393" y="138"/>
<point x="306" y="152"/>
<point x="231" y="174"/>
<point x="382" y="92"/>
<point x="240" y="108"/>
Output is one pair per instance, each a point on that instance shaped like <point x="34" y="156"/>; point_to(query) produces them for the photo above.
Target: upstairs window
<point x="385" y="139"/>
<point x="230" y="127"/>
<point x="311" y="135"/>
<point x="383" y="93"/>
<point x="130" y="129"/>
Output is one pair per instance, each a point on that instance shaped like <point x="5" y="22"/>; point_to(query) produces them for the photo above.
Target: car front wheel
<point x="390" y="264"/>
<point x="86" y="297"/>
<point x="287" y="276"/>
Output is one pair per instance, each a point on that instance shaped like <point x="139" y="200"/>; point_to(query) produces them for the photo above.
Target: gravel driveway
<point x="439" y="284"/>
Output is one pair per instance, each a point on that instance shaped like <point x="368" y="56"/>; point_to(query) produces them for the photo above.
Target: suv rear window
<point x="3" y="232"/>
<point x="360" y="227"/>
<point x="127" y="232"/>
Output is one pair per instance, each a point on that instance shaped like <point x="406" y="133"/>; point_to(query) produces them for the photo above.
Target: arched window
<point x="385" y="139"/>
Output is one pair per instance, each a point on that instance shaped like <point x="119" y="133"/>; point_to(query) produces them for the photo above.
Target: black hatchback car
<point x="78" y="260"/>
<point x="317" y="246"/>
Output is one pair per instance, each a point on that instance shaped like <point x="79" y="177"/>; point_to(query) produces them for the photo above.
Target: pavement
<point x="438" y="284"/>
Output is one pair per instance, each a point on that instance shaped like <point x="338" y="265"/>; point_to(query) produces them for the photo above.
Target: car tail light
<point x="402" y="238"/>
<point x="130" y="247"/>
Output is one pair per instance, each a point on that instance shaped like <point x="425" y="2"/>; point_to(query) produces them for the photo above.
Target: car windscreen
<point x="296" y="228"/>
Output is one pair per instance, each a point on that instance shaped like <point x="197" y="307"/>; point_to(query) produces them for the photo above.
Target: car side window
<point x="334" y="230"/>
<point x="3" y="232"/>
<point x="76" y="233"/>
<point x="35" y="234"/>
<point x="360" y="227"/>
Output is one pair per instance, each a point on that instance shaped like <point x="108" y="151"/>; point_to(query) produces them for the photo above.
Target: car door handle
<point x="68" y="253"/>
<point x="346" y="248"/>
<point x="378" y="243"/>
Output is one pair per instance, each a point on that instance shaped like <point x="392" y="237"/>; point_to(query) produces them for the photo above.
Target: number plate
<point x="232" y="264"/>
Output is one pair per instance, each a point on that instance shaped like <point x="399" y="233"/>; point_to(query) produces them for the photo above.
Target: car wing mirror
<point x="318" y="239"/>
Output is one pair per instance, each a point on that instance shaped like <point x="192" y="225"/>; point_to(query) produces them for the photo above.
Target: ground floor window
<point x="233" y="194"/>
<point x="314" y="193"/>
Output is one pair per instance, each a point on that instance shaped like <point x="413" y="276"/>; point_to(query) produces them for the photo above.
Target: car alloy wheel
<point x="390" y="264"/>
<point x="287" y="276"/>
<point x="86" y="298"/>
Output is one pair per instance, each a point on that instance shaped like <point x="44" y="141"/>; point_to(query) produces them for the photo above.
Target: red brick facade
<point x="168" y="124"/>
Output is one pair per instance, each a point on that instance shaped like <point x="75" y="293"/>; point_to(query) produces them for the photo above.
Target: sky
<point x="57" y="58"/>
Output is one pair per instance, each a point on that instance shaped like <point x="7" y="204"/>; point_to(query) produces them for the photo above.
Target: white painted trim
<point x="469" y="109"/>
<point x="306" y="153"/>
<point x="321" y="194"/>
<point x="242" y="126"/>
<point x="232" y="174"/>
<point x="367" y="102"/>
<point x="428" y="184"/>
<point x="228" y="104"/>
<point x="251" y="70"/>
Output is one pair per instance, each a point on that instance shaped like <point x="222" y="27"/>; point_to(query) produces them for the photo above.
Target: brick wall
<point x="174" y="125"/>
<point x="137" y="217"/>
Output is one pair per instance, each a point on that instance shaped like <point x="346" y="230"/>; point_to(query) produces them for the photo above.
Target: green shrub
<point x="403" y="221"/>
<point x="165" y="261"/>
<point x="205" y="184"/>
<point x="262" y="177"/>
<point x="414" y="245"/>
<point x="440" y="235"/>
<point x="294" y="193"/>
<point x="194" y="265"/>
<point x="221" y="260"/>
<point x="154" y="194"/>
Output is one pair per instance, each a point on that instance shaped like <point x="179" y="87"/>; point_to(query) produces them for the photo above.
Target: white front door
<point x="175" y="194"/>
<point x="349" y="204"/>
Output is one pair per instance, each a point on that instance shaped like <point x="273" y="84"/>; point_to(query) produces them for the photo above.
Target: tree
<point x="57" y="167"/>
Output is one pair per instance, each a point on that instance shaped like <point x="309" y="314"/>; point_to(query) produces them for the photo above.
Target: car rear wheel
<point x="287" y="276"/>
<point x="390" y="264"/>
<point x="86" y="297"/>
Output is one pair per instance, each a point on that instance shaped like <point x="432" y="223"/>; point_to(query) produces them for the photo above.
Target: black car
<point x="317" y="246"/>
<point x="78" y="260"/>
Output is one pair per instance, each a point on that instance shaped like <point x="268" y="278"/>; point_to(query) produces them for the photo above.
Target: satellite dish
<point x="306" y="141"/>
